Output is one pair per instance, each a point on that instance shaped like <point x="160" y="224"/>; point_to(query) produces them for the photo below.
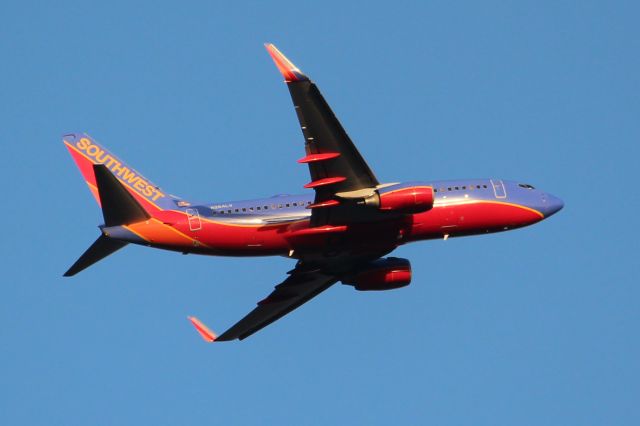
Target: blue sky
<point x="536" y="326"/>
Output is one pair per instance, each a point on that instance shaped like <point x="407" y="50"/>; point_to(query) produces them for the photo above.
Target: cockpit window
<point x="525" y="185"/>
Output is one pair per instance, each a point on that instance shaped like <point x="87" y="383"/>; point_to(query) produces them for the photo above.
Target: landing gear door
<point x="194" y="220"/>
<point x="498" y="188"/>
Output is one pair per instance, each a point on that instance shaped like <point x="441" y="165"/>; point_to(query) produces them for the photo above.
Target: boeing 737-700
<point x="339" y="231"/>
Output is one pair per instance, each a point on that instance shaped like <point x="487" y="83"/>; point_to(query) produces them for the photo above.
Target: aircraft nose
<point x="551" y="204"/>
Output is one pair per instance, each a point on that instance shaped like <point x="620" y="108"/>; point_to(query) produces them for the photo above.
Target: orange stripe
<point x="154" y="231"/>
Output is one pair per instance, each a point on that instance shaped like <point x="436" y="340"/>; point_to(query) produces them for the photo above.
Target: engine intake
<point x="382" y="274"/>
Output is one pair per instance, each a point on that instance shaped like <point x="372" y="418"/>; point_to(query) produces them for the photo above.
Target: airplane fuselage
<point x="279" y="225"/>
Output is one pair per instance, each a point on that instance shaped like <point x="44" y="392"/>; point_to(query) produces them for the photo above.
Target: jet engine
<point x="382" y="274"/>
<point x="416" y="199"/>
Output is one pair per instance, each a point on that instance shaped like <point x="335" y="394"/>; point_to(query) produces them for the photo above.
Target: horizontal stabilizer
<point x="101" y="248"/>
<point x="118" y="205"/>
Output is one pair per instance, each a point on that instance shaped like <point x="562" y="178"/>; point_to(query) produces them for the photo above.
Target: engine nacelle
<point x="414" y="199"/>
<point x="382" y="274"/>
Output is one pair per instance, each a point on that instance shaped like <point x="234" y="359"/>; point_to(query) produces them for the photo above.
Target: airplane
<point x="340" y="231"/>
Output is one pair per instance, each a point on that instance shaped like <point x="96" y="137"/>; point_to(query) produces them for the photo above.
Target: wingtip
<point x="208" y="335"/>
<point x="288" y="70"/>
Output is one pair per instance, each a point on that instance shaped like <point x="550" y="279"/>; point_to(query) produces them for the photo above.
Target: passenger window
<point x="287" y="204"/>
<point x="456" y="188"/>
<point x="244" y="210"/>
<point x="237" y="210"/>
<point x="266" y="207"/>
<point x="449" y="189"/>
<point x="464" y="187"/>
<point x="258" y="207"/>
<point x="250" y="209"/>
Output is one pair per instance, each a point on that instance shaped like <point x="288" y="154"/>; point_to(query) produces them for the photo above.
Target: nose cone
<point x="551" y="205"/>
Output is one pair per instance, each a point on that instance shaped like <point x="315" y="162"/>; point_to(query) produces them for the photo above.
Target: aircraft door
<point x="195" y="224"/>
<point x="498" y="188"/>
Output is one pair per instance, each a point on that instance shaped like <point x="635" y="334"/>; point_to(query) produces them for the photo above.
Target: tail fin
<point x="119" y="207"/>
<point x="86" y="152"/>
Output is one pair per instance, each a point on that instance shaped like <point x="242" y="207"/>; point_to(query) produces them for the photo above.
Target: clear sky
<point x="537" y="326"/>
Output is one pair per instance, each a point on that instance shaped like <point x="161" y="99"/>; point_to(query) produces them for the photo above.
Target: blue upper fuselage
<point x="286" y="207"/>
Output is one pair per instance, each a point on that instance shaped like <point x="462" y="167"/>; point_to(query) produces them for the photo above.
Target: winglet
<point x="289" y="71"/>
<point x="207" y="335"/>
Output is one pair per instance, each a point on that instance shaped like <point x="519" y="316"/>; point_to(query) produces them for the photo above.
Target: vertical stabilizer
<point x="87" y="152"/>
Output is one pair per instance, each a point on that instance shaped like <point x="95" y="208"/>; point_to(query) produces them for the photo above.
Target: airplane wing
<point x="334" y="162"/>
<point x="293" y="292"/>
<point x="338" y="174"/>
